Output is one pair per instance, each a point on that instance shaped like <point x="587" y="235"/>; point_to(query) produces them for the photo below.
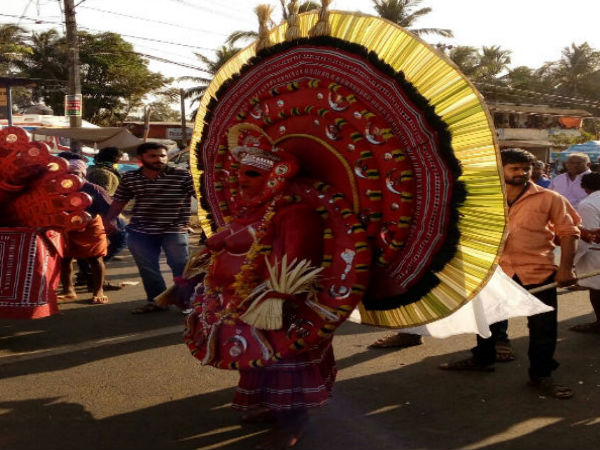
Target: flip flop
<point x="61" y="298"/>
<point x="504" y="352"/>
<point x="148" y="308"/>
<point x="99" y="300"/>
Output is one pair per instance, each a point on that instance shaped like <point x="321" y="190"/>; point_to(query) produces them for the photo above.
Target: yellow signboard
<point x="3" y="97"/>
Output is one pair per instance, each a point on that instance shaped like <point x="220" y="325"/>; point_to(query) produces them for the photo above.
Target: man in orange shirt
<point x="536" y="216"/>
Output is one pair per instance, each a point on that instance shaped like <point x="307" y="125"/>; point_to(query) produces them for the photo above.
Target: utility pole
<point x="74" y="78"/>
<point x="183" y="124"/>
<point x="147" y="111"/>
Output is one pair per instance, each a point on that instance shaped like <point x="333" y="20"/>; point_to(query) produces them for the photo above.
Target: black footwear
<point x="504" y="352"/>
<point x="547" y="387"/>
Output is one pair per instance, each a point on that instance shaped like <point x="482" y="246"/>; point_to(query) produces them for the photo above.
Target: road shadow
<point x="409" y="405"/>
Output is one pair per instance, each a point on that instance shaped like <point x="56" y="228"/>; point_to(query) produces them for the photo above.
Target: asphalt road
<point x="97" y="377"/>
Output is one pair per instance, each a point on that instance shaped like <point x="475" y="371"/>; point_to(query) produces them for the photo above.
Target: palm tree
<point x="251" y="34"/>
<point x="13" y="47"/>
<point x="403" y="13"/>
<point x="466" y="58"/>
<point x="575" y="72"/>
<point x="492" y="61"/>
<point x="47" y="56"/>
<point x="211" y="67"/>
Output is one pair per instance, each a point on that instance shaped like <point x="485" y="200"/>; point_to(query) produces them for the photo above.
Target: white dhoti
<point x="500" y="299"/>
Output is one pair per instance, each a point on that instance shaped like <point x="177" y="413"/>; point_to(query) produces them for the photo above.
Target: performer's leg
<point x="289" y="428"/>
<point x="145" y="249"/>
<point x="66" y="279"/>
<point x="176" y="247"/>
<point x="98" y="273"/>
<point x="84" y="275"/>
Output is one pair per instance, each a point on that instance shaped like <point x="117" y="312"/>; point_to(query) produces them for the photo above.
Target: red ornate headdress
<point x="251" y="146"/>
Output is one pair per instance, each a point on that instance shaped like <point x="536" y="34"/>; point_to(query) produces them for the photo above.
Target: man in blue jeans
<point x="160" y="218"/>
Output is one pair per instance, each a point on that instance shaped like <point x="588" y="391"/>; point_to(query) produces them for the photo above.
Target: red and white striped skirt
<point x="304" y="380"/>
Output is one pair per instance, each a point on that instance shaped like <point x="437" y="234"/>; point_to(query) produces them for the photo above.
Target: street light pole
<point x="9" y="105"/>
<point x="73" y="61"/>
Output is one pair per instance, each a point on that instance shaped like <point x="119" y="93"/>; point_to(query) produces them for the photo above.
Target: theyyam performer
<point x="340" y="162"/>
<point x="39" y="203"/>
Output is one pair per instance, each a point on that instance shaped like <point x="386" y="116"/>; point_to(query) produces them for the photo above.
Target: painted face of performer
<point x="517" y="174"/>
<point x="252" y="181"/>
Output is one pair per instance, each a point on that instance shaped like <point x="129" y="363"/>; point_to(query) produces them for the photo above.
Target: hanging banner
<point x="73" y="105"/>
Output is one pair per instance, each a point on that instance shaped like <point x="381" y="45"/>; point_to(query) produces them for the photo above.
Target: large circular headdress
<point x="389" y="122"/>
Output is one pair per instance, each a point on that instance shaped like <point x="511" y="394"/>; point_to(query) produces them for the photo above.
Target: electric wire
<point x="153" y="21"/>
<point x="38" y="21"/>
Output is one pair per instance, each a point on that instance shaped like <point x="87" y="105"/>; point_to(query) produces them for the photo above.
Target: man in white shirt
<point x="569" y="183"/>
<point x="587" y="258"/>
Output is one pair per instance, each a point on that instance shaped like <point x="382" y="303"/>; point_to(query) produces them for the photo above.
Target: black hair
<point x="146" y="146"/>
<point x="69" y="156"/>
<point x="516" y="156"/>
<point x="108" y="154"/>
<point x="591" y="181"/>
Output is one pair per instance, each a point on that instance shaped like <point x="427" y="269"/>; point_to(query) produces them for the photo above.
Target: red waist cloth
<point x="29" y="272"/>
<point x="88" y="243"/>
<point x="303" y="380"/>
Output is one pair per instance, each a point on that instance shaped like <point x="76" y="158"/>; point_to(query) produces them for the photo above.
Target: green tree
<point x="47" y="61"/>
<point x="577" y="73"/>
<point x="13" y="47"/>
<point x="405" y="14"/>
<point x="113" y="76"/>
<point x="466" y="58"/>
<point x="492" y="62"/>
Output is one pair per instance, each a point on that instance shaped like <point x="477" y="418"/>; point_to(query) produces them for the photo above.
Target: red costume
<point x="358" y="200"/>
<point x="297" y="380"/>
<point x="273" y="227"/>
<point x="38" y="201"/>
